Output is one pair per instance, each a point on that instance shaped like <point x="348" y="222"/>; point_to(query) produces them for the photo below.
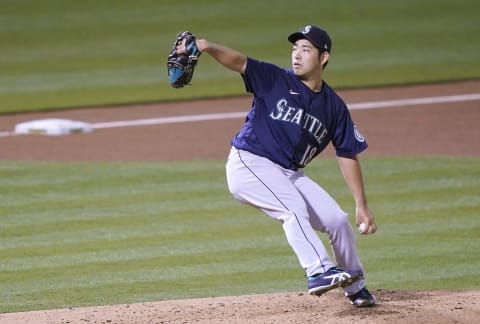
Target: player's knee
<point x="337" y="221"/>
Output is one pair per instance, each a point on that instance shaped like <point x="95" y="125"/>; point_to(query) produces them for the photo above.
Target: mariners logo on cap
<point x="306" y="29"/>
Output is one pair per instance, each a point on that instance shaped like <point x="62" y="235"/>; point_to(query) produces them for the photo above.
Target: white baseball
<point x="361" y="228"/>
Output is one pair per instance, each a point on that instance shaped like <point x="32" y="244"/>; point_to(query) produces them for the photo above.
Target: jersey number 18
<point x="308" y="155"/>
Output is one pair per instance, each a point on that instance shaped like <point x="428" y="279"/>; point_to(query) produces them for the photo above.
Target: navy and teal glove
<point x="181" y="66"/>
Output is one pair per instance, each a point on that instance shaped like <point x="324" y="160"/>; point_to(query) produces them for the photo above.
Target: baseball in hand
<point x="361" y="228"/>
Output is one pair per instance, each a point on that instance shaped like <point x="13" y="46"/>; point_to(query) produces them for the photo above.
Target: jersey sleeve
<point x="347" y="140"/>
<point x="259" y="77"/>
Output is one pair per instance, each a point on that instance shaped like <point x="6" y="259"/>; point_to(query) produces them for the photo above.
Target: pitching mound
<point x="393" y="307"/>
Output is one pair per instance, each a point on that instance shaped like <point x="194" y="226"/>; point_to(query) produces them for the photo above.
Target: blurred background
<point x="66" y="53"/>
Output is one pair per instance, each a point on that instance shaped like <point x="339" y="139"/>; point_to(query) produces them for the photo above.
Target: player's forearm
<point x="352" y="173"/>
<point x="228" y="57"/>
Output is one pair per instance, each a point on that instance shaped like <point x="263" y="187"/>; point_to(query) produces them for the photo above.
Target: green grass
<point x="79" y="234"/>
<point x="58" y="54"/>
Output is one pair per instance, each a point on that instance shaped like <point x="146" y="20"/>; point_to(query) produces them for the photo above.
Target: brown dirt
<point x="435" y="129"/>
<point x="407" y="307"/>
<point x="439" y="129"/>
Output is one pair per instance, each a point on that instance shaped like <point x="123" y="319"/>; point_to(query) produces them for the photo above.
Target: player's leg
<point x="327" y="216"/>
<point x="265" y="185"/>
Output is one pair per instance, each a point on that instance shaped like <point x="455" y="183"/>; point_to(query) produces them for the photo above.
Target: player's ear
<point x="324" y="56"/>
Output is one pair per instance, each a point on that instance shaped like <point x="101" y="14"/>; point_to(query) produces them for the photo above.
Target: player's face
<point x="305" y="59"/>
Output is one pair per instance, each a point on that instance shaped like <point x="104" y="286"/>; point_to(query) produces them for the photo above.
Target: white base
<point x="53" y="127"/>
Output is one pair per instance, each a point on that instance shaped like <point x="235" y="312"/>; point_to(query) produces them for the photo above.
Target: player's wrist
<point x="202" y="44"/>
<point x="361" y="203"/>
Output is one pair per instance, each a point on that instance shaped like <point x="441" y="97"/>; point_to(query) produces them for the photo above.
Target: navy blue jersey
<point x="289" y="123"/>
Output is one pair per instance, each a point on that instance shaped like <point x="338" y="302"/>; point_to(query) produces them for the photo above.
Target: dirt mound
<point x="394" y="306"/>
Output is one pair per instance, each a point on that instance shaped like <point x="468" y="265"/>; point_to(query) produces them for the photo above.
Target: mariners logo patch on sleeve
<point x="358" y="135"/>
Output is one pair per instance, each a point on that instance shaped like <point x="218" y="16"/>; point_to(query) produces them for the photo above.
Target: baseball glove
<point x="181" y="66"/>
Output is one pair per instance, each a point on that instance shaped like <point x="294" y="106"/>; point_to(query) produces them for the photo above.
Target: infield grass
<point x="82" y="234"/>
<point x="57" y="54"/>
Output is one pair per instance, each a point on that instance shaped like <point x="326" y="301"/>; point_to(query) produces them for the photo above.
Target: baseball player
<point x="293" y="117"/>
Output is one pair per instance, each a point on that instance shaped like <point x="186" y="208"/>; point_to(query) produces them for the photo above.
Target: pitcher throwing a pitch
<point x="293" y="117"/>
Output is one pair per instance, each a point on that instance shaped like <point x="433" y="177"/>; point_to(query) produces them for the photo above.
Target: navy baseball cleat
<point x="363" y="298"/>
<point x="331" y="279"/>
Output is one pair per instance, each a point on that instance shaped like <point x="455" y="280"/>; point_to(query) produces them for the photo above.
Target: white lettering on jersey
<point x="286" y="113"/>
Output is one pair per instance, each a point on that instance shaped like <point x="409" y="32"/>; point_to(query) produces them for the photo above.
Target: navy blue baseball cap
<point x="316" y="35"/>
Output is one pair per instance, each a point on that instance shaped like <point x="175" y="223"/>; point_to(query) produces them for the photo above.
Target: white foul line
<point x="242" y="114"/>
<point x="169" y="120"/>
<point x="415" y="101"/>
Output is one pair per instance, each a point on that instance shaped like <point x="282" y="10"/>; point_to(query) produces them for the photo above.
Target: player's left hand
<point x="365" y="215"/>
